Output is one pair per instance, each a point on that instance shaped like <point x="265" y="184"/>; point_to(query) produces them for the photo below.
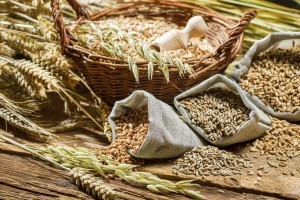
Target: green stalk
<point x="238" y="3"/>
<point x="34" y="153"/>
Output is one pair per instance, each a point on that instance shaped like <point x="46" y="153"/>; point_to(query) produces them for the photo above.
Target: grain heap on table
<point x="209" y="160"/>
<point x="282" y="140"/>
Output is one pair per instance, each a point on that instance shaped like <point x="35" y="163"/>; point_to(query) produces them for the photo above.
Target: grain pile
<point x="209" y="160"/>
<point x="218" y="112"/>
<point x="274" y="77"/>
<point x="146" y="30"/>
<point x="281" y="140"/>
<point x="131" y="131"/>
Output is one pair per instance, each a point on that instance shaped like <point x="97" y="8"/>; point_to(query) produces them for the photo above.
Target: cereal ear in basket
<point x="219" y="110"/>
<point x="151" y="127"/>
<point x="270" y="74"/>
<point x="113" y="47"/>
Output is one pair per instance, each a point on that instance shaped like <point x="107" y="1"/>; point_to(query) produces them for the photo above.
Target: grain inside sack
<point x="218" y="111"/>
<point x="147" y="128"/>
<point x="131" y="131"/>
<point x="274" y="77"/>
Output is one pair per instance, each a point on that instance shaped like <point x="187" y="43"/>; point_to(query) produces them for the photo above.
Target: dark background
<point x="287" y="3"/>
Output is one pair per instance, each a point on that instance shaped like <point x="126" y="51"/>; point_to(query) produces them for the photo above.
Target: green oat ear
<point x="84" y="158"/>
<point x="112" y="40"/>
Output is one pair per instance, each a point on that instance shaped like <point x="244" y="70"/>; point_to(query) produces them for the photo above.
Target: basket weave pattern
<point x="111" y="78"/>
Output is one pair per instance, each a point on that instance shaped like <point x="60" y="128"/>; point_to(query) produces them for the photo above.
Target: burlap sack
<point x="258" y="121"/>
<point x="277" y="40"/>
<point x="168" y="136"/>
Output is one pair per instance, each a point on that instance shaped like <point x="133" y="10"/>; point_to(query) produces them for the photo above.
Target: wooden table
<point x="25" y="177"/>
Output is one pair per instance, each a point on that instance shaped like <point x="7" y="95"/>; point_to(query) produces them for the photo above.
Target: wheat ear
<point x="10" y="73"/>
<point x="34" y="72"/>
<point x="84" y="158"/>
<point x="6" y="50"/>
<point x="93" y="184"/>
<point x="90" y="182"/>
<point x="27" y="126"/>
<point x="47" y="55"/>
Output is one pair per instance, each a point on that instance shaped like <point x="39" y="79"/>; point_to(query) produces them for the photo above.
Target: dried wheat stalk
<point x="46" y="29"/>
<point x="12" y="74"/>
<point x="47" y="55"/>
<point x="27" y="126"/>
<point x="42" y="26"/>
<point x="21" y="100"/>
<point x="14" y="106"/>
<point x="33" y="72"/>
<point x="70" y="124"/>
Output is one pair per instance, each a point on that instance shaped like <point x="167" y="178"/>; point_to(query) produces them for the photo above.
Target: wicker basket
<point x="111" y="78"/>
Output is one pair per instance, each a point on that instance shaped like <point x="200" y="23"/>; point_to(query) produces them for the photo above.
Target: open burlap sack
<point x="258" y="121"/>
<point x="168" y="136"/>
<point x="277" y="40"/>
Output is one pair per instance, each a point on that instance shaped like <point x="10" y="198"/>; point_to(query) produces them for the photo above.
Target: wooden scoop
<point x="178" y="39"/>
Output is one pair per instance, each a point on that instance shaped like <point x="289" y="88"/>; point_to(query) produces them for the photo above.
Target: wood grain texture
<point x="22" y="177"/>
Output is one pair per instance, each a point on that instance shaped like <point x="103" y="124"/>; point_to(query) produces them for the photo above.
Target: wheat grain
<point x="274" y="77"/>
<point x="219" y="112"/>
<point x="282" y="140"/>
<point x="131" y="131"/>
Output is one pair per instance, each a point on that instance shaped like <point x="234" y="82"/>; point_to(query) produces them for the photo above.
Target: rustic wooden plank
<point x="274" y="183"/>
<point x="27" y="178"/>
<point x="21" y="174"/>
